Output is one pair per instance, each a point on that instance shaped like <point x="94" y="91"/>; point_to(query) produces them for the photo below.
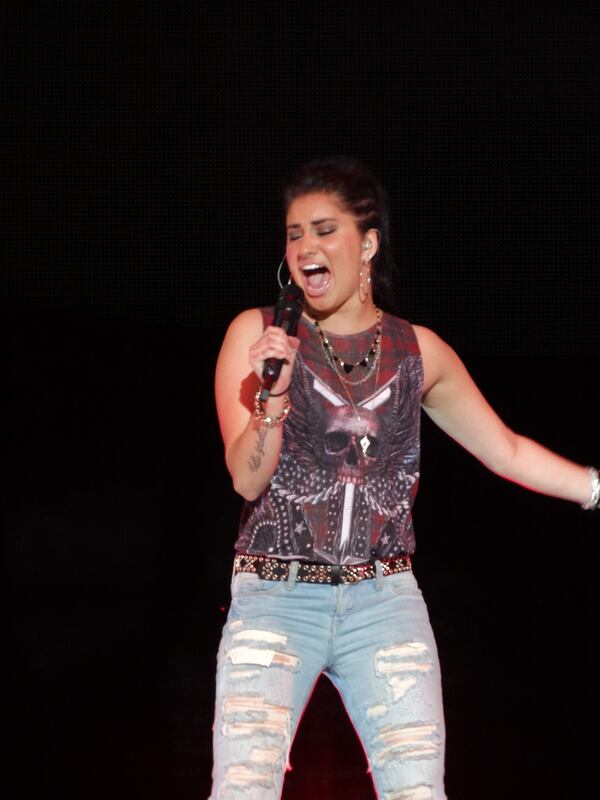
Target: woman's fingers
<point x="274" y="343"/>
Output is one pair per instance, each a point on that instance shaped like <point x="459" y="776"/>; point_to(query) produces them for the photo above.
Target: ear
<point x="370" y="243"/>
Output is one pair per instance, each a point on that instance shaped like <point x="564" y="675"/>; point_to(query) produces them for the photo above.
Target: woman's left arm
<point x="453" y="401"/>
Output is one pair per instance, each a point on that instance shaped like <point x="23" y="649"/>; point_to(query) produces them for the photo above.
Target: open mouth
<point x="316" y="278"/>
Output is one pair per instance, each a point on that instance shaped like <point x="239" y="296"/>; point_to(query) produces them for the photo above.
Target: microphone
<point x="288" y="309"/>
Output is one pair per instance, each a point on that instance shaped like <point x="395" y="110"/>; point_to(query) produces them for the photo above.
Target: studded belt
<point x="278" y="569"/>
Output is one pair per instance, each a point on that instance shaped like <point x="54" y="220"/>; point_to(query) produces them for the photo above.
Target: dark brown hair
<point x="360" y="195"/>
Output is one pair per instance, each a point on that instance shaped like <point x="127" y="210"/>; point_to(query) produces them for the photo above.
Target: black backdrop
<point x="144" y="145"/>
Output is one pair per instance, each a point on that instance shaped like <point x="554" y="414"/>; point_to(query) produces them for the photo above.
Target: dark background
<point x="143" y="147"/>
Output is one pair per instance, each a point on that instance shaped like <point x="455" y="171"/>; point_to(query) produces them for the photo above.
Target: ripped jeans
<point x="372" y="639"/>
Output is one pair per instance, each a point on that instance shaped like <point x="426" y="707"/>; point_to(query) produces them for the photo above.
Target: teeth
<point x="312" y="268"/>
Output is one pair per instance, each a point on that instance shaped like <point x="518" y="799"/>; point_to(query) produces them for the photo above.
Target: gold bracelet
<point x="263" y="418"/>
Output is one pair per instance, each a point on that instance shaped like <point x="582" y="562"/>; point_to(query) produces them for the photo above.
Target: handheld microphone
<point x="288" y="309"/>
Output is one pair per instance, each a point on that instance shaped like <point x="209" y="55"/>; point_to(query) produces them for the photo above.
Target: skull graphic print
<point x="337" y="497"/>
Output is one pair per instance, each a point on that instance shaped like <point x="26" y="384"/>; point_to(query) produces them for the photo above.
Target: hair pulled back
<point x="360" y="195"/>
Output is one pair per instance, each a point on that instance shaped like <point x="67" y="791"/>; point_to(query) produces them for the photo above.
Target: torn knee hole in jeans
<point x="403" y="742"/>
<point x="401" y="665"/>
<point x="251" y="714"/>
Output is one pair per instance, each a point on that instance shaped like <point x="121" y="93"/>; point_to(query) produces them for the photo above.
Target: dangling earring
<point x="279" y="274"/>
<point x="363" y="293"/>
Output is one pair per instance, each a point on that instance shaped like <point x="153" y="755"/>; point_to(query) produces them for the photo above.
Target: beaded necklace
<point x="336" y="362"/>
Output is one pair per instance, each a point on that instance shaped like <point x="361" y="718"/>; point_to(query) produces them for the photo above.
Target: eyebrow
<point x="314" y="222"/>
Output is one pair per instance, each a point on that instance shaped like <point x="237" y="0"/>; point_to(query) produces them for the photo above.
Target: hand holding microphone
<point x="288" y="309"/>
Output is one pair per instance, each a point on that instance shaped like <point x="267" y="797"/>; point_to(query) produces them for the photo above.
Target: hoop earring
<point x="279" y="274"/>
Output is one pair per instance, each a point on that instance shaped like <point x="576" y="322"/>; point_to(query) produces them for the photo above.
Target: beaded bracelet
<point x="263" y="418"/>
<point x="593" y="503"/>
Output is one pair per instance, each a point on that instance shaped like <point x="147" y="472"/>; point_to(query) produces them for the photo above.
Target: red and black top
<point x="333" y="499"/>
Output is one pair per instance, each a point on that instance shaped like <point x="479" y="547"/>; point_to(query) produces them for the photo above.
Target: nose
<point x="308" y="246"/>
<point x="303" y="248"/>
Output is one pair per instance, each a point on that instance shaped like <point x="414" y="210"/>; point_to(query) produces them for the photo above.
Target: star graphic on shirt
<point x="299" y="528"/>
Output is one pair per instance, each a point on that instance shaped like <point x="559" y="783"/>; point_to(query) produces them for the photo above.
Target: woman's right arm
<point x="251" y="448"/>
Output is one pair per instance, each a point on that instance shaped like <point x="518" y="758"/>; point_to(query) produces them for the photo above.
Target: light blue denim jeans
<point x="372" y="639"/>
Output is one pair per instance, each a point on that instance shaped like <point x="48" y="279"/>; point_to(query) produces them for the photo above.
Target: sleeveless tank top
<point x="330" y="500"/>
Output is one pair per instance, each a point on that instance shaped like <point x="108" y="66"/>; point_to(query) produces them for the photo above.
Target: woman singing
<point x="328" y="464"/>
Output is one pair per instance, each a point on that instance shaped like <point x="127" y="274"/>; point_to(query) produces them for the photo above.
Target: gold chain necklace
<point x="364" y="441"/>
<point x="365" y="378"/>
<point x="336" y="361"/>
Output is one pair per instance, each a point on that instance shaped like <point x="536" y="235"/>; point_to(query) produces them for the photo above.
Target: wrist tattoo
<point x="256" y="459"/>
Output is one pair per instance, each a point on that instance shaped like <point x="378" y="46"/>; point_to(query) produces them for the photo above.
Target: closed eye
<point x="292" y="237"/>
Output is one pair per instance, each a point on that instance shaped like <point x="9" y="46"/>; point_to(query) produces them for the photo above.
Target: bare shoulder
<point x="429" y="341"/>
<point x="248" y="323"/>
